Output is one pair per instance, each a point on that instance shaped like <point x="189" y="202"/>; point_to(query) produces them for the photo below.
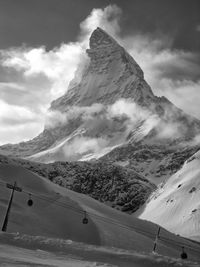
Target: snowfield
<point x="16" y="250"/>
<point x="176" y="204"/>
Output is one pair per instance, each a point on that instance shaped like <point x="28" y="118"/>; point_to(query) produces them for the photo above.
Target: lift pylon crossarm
<point x="13" y="188"/>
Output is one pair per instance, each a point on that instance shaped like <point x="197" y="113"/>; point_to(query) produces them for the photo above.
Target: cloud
<point x="122" y="108"/>
<point x="55" y="118"/>
<point x="107" y="18"/>
<point x="58" y="65"/>
<point x="103" y="127"/>
<point x="11" y="86"/>
<point x="84" y="145"/>
<point x="185" y="94"/>
<point x="15" y="121"/>
<point x="128" y="108"/>
<point x="19" y="132"/>
<point x="172" y="73"/>
<point x="35" y="76"/>
<point x="15" y="114"/>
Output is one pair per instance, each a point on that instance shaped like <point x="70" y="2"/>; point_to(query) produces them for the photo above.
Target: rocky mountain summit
<point x="109" y="112"/>
<point x="110" y="75"/>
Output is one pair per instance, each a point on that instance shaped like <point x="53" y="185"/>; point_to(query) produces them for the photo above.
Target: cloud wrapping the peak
<point x="59" y="65"/>
<point x="103" y="127"/>
<point x="55" y="118"/>
<point x="36" y="76"/>
<point x="107" y="18"/>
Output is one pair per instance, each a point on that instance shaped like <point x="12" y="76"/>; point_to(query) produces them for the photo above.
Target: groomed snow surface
<point x="51" y="233"/>
<point x="39" y="251"/>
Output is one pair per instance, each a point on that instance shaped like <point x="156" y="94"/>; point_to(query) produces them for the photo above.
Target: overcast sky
<point x="43" y="41"/>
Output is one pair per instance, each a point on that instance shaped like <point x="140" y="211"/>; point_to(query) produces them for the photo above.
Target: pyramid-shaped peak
<point x="100" y="38"/>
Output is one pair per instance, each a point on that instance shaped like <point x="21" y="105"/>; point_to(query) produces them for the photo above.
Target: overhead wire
<point x="104" y="219"/>
<point x="66" y="205"/>
<point x="80" y="211"/>
<point x="177" y="243"/>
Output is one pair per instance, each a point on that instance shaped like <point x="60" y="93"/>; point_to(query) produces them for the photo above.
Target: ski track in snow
<point x="20" y="257"/>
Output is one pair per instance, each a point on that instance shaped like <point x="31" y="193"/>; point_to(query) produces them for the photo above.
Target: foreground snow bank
<point x="24" y="250"/>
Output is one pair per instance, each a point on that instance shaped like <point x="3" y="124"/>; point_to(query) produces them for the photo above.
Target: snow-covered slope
<point x="176" y="203"/>
<point x="58" y="212"/>
<point x="25" y="250"/>
<point x="156" y="162"/>
<point x="50" y="217"/>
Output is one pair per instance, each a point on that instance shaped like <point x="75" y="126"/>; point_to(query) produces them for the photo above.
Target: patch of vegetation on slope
<point x="155" y="161"/>
<point x="113" y="185"/>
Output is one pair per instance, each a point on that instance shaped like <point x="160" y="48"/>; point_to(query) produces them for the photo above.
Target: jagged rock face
<point x="109" y="75"/>
<point x="112" y="74"/>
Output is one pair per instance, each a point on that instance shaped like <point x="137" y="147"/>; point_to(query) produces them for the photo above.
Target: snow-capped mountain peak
<point x="108" y="105"/>
<point x="99" y="38"/>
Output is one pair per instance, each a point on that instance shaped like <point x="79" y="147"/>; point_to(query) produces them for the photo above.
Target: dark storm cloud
<point x="186" y="68"/>
<point x="177" y="18"/>
<point x="51" y="22"/>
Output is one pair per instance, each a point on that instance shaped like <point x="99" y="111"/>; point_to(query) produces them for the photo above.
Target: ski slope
<point x="23" y="250"/>
<point x="58" y="213"/>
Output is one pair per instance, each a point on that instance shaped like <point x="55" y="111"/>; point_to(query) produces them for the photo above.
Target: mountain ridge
<point x="107" y="106"/>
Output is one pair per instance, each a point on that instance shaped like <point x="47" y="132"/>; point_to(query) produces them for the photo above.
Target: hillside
<point x="176" y="204"/>
<point x="58" y="212"/>
<point x="116" y="186"/>
<point x="156" y="162"/>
